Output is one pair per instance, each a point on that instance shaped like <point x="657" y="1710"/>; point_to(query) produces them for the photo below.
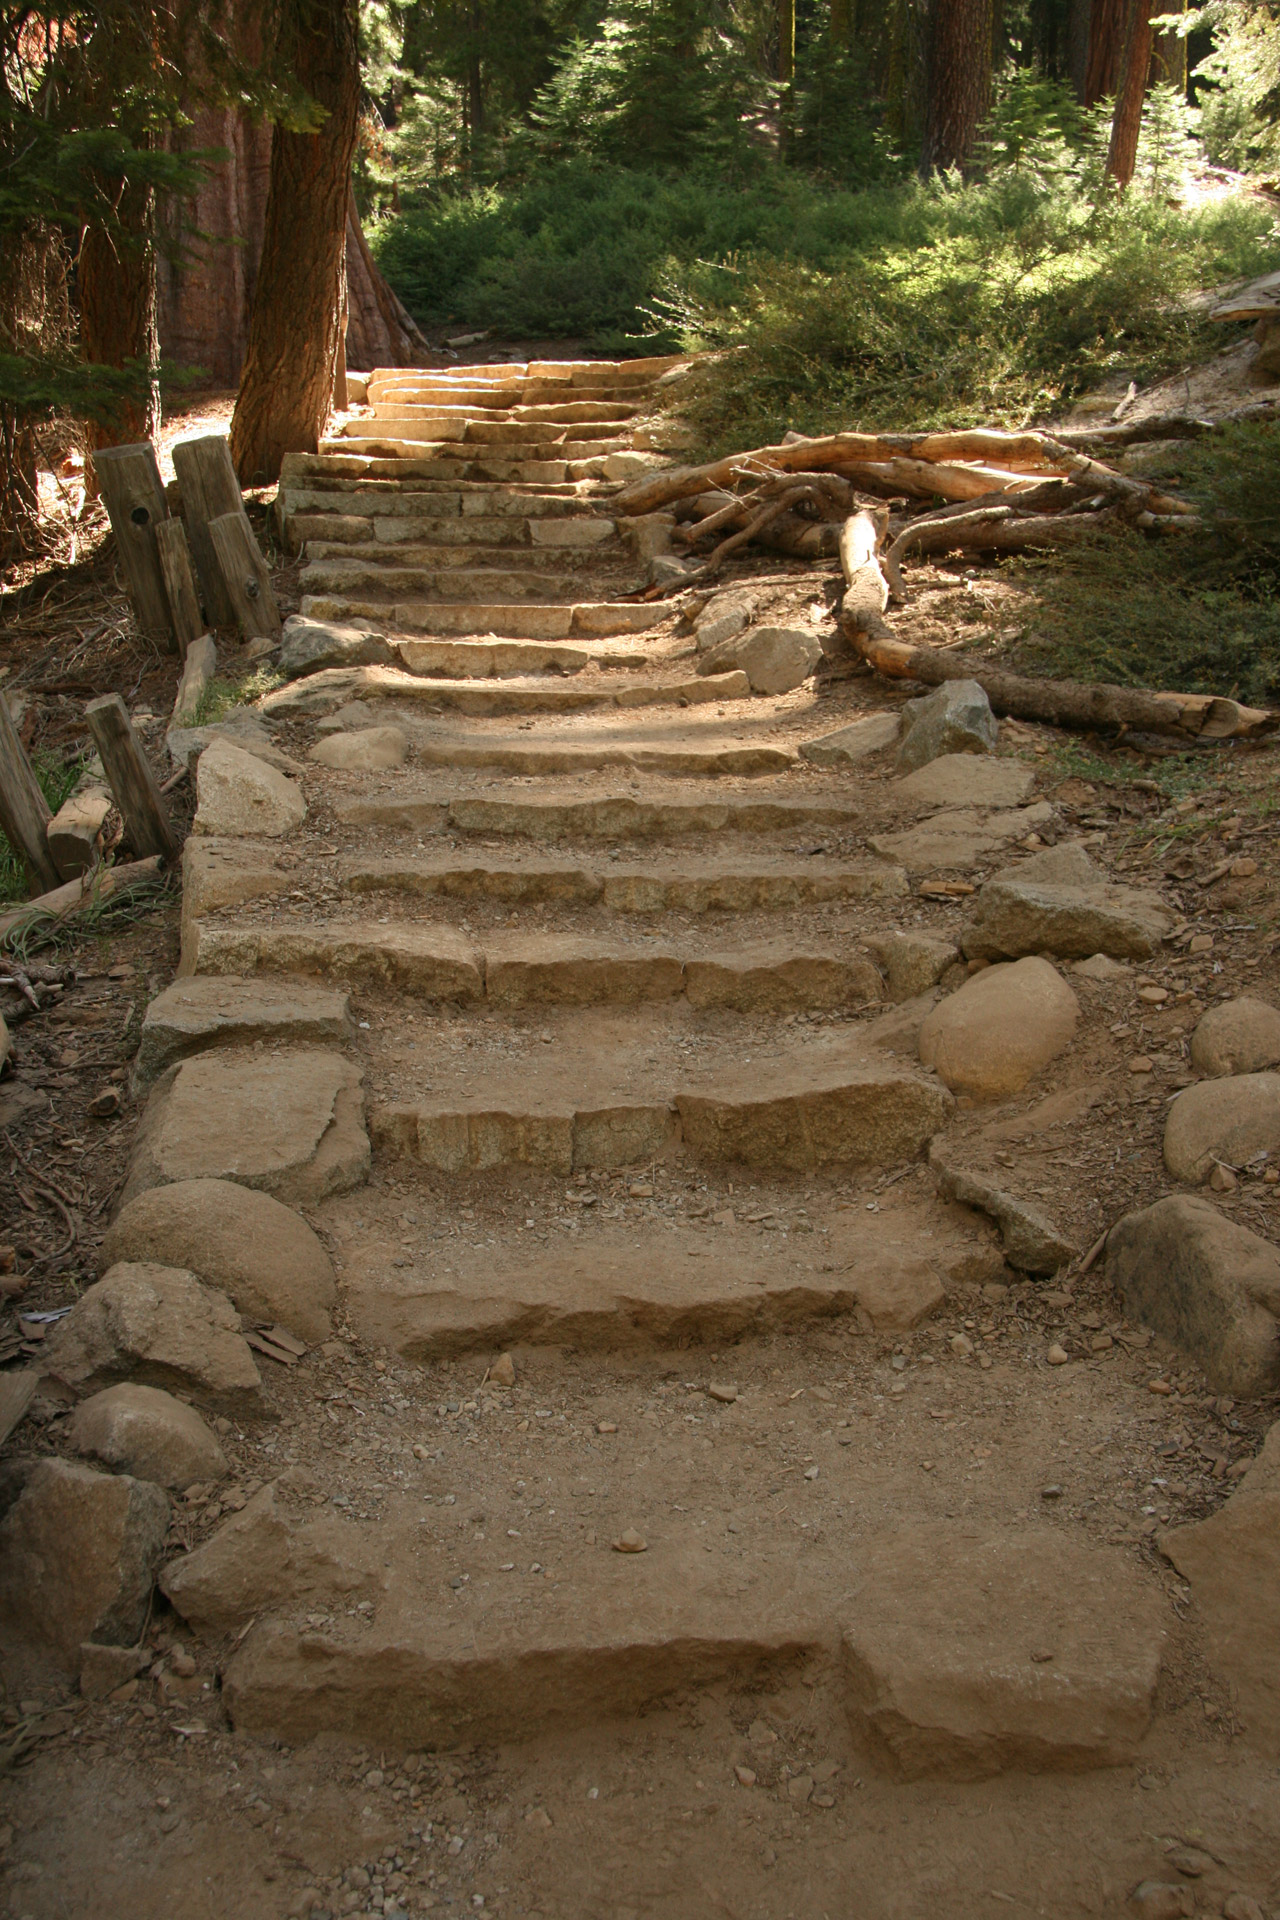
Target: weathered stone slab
<point x="264" y="1556"/>
<point x="78" y="1554"/>
<point x="1032" y="1243"/>
<point x="868" y="1115"/>
<point x="237" y="793"/>
<point x="371" y="750"/>
<point x="288" y="1123"/>
<point x="959" y="840"/>
<point x="851" y="743"/>
<point x="563" y="970"/>
<point x="195" y="1015"/>
<point x="967" y="780"/>
<point x="161" y="1327"/>
<point x="773" y="977"/>
<point x="970" y="1653"/>
<point x="309" y="645"/>
<point x="1059" y="902"/>
<point x="431" y="962"/>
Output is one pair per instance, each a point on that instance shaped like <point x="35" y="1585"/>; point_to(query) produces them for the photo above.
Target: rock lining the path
<point x="157" y="1326"/>
<point x="1000" y="1029"/>
<point x="146" y="1432"/>
<point x="955" y="718"/>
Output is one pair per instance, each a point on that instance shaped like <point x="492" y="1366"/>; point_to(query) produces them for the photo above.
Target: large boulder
<point x="79" y="1552"/>
<point x="1237" y="1036"/>
<point x="160" y="1326"/>
<point x="309" y="645"/>
<point x="265" y="1556"/>
<point x="1232" y="1560"/>
<point x="289" y="1123"/>
<point x="203" y="1011"/>
<point x="969" y="1653"/>
<point x="1000" y="1029"/>
<point x="774" y="659"/>
<point x="146" y="1432"/>
<point x="1232" y="1121"/>
<point x="370" y="750"/>
<point x="1207" y="1285"/>
<point x="262" y="1255"/>
<point x="1059" y="902"/>
<point x="854" y="742"/>
<point x="955" y="718"/>
<point x="236" y="793"/>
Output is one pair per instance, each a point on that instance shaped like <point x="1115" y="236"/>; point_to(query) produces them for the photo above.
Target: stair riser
<point x="611" y="817"/>
<point x="461" y="696"/>
<point x="459" y="430"/>
<point x="491" y="468"/>
<point x="362" y="959"/>
<point x="464" y="583"/>
<point x="417" y="506"/>
<point x="497" y="660"/>
<point x="634" y="893"/>
<point x="430" y="543"/>
<point x="582" y="621"/>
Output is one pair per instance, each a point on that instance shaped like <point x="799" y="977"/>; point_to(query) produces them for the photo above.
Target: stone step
<point x="682" y="750"/>
<point x="686" y="886"/>
<point x="320" y="692"/>
<point x="516" y="432"/>
<point x="565" y="373"/>
<point x="468" y="464"/>
<point x="500" y="659"/>
<point x="436" y="962"/>
<point x="504" y="445"/>
<point x="461" y="538"/>
<point x="585" y="619"/>
<point x="452" y="583"/>
<point x="374" y="478"/>
<point x="508" y="395"/>
<point x="487" y="411"/>
<point x="569" y="815"/>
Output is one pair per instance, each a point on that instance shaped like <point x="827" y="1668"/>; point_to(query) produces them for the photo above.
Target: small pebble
<point x="1223" y="1180"/>
<point x="1057" y="1356"/>
<point x="718" y="1390"/>
<point x="1051" y="1493"/>
<point x="606" y="1426"/>
<point x="631" y="1542"/>
<point x="1140" y="1064"/>
<point x="961" y="1345"/>
<point x="744" y="1776"/>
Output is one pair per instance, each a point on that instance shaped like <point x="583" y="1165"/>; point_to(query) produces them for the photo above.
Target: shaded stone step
<point x="702" y="886"/>
<point x="501" y="659"/>
<point x="320" y="692"/>
<point x="397" y="487"/>
<point x="678" y="752"/>
<point x="504" y="445"/>
<point x="611" y="816"/>
<point x="464" y="542"/>
<point x="532" y="622"/>
<point x="437" y="962"/>
<point x="192" y="1016"/>
<point x="390" y="577"/>
<point x="467" y="463"/>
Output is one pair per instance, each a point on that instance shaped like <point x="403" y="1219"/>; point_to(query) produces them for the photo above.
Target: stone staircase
<point x="578" y="1013"/>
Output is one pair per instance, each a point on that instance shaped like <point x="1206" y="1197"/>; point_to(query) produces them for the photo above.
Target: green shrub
<point x="57" y="782"/>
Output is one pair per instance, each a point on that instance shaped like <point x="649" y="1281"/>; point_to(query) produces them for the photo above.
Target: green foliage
<point x="57" y="782"/>
<point x="1197" y="611"/>
<point x="1238" y="82"/>
<point x="994" y="301"/>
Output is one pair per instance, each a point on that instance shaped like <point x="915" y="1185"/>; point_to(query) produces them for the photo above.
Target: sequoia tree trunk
<point x="1126" y="124"/>
<point x="287" y="385"/>
<point x="959" y="81"/>
<point x="118" y="315"/>
<point x="1106" y="50"/>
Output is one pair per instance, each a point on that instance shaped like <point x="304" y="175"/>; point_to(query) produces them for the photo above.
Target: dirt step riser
<point x="291" y="1688"/>
<point x="437" y="964"/>
<point x="793" y="1133"/>
<point x="583" y="620"/>
<point x="611" y="817"/>
<point x="464" y="541"/>
<point x="655" y="892"/>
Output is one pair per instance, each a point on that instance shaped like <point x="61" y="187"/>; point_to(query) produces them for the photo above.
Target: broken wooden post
<point x="75" y="831"/>
<point x="179" y="583"/>
<point x="129" y="481"/>
<point x="132" y="781"/>
<point x="202" y="664"/>
<point x="209" y="490"/>
<point x="246" y="576"/>
<point x="24" y="811"/>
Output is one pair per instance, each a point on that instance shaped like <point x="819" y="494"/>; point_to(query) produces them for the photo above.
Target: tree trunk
<point x="1079" y="18"/>
<point x="786" y="41"/>
<point x="35" y="318"/>
<point x="381" y="332"/>
<point x="1106" y="50"/>
<point x="959" y="81"/>
<point x="287" y="384"/>
<point x="844" y="16"/>
<point x="206" y="287"/>
<point x="1126" y="125"/>
<point x="118" y="314"/>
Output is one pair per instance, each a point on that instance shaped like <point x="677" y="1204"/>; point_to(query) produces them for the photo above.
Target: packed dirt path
<point x="675" y="1445"/>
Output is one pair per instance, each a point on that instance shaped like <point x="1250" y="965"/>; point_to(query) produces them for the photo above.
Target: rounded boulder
<point x="1000" y="1029"/>
<point x="1238" y="1036"/>
<point x="260" y="1253"/>
<point x="146" y="1432"/>
<point x="1232" y="1121"/>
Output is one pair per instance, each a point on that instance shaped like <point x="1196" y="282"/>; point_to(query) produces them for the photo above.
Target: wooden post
<point x="248" y="581"/>
<point x="129" y="481"/>
<point x="132" y="781"/>
<point x="179" y="582"/>
<point x="209" y="490"/>
<point x="24" y="811"/>
<point x="202" y="664"/>
<point x="75" y="831"/>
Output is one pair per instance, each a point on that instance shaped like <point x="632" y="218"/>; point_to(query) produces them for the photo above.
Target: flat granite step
<point x="370" y="545"/>
<point x="437" y="962"/>
<point x="585" y="619"/>
<point x="389" y="576"/>
<point x="469" y="463"/>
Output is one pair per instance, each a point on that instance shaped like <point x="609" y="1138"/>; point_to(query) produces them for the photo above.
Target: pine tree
<point x="959" y="88"/>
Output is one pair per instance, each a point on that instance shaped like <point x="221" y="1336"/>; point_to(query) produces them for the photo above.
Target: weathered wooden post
<point x="180" y="583"/>
<point x="246" y="575"/>
<point x="24" y="811"/>
<point x="209" y="490"/>
<point x="131" y="778"/>
<point x="129" y="480"/>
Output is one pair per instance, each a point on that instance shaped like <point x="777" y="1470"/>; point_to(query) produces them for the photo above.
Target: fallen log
<point x="1059" y="703"/>
<point x="78" y="896"/>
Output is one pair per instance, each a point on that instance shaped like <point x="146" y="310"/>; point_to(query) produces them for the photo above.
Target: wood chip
<point x="17" y="1391"/>
<point x="261" y="1345"/>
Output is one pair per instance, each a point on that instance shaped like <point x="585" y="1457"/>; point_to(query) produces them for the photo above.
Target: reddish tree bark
<point x="207" y="277"/>
<point x="1126" y="124"/>
<point x="1106" y="50"/>
<point x="959" y="81"/>
<point x="118" y="318"/>
<point x="295" y="324"/>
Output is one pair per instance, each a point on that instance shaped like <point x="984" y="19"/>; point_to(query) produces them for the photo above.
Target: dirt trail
<point x="689" y="1509"/>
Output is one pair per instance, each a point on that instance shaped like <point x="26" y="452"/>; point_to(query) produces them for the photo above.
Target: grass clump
<point x="1195" y="612"/>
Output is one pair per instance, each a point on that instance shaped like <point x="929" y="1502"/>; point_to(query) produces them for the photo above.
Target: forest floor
<point x="754" y="1794"/>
